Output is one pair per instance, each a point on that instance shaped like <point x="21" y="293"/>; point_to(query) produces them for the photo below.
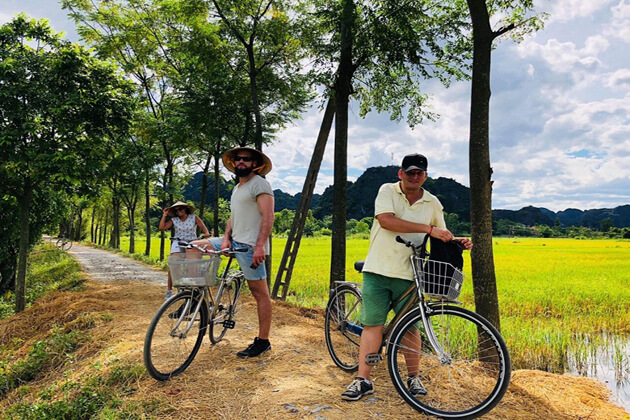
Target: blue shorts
<point x="244" y="259"/>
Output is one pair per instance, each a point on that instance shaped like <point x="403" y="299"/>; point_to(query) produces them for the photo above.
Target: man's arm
<point x="226" y="242"/>
<point x="390" y="222"/>
<point x="265" y="206"/>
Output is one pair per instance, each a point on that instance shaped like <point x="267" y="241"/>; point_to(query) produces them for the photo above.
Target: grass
<point x="48" y="269"/>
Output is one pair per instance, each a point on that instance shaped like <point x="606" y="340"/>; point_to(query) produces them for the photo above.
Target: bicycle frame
<point x="416" y="299"/>
<point x="206" y="296"/>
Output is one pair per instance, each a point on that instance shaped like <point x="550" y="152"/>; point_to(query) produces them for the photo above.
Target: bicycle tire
<point x="467" y="385"/>
<point x="66" y="245"/>
<point x="168" y="348"/>
<point x="343" y="328"/>
<point x="225" y="307"/>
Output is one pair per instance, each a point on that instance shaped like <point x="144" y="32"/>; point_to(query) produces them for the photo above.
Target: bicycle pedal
<point x="229" y="324"/>
<point x="373" y="359"/>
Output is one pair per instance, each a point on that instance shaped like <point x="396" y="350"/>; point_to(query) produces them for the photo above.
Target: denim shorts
<point x="378" y="294"/>
<point x="244" y="259"/>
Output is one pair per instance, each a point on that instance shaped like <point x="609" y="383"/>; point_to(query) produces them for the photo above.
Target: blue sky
<point x="559" y="121"/>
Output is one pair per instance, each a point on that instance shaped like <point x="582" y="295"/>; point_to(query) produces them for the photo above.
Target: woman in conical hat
<point x="186" y="224"/>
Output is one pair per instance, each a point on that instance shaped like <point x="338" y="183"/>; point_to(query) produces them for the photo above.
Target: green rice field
<point x="559" y="298"/>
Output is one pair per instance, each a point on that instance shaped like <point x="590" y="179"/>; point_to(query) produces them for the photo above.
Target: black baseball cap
<point x="415" y="161"/>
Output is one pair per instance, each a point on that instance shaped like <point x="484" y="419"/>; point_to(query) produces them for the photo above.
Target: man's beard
<point x="241" y="172"/>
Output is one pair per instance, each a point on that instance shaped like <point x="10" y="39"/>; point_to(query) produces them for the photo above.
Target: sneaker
<point x="415" y="386"/>
<point x="258" y="347"/>
<point x="358" y="388"/>
<point x="168" y="295"/>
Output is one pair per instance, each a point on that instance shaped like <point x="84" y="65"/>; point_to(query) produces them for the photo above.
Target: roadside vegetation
<point x="49" y="269"/>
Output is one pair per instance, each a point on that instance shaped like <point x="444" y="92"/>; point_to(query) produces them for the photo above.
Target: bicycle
<point x="204" y="301"/>
<point x="64" y="243"/>
<point x="459" y="356"/>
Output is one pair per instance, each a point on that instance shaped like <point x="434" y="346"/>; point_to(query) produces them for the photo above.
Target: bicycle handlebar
<point x="190" y="245"/>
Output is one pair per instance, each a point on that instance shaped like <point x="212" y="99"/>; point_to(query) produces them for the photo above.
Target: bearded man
<point x="249" y="226"/>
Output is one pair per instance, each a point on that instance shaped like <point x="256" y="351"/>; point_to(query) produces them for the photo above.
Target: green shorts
<point x="378" y="294"/>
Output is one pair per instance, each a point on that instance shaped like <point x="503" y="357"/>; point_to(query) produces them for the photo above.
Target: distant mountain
<point x="454" y="197"/>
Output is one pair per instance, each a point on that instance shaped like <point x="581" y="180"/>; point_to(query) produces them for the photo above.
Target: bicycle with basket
<point x="204" y="301"/>
<point x="459" y="356"/>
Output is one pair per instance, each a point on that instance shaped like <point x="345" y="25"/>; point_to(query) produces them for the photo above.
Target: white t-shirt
<point x="246" y="218"/>
<point x="386" y="256"/>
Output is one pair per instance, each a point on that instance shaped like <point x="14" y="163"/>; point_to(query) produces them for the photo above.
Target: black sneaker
<point x="258" y="347"/>
<point x="415" y="386"/>
<point x="358" y="388"/>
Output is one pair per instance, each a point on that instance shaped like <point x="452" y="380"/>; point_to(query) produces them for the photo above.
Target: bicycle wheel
<point x="469" y="381"/>
<point x="174" y="335"/>
<point x="343" y="329"/>
<point x="66" y="245"/>
<point x="226" y="307"/>
<point x="59" y="243"/>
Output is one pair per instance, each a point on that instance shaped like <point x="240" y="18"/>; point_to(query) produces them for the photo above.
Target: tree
<point x="482" y="258"/>
<point x="269" y="38"/>
<point x="606" y="224"/>
<point x="379" y="52"/>
<point x="58" y="108"/>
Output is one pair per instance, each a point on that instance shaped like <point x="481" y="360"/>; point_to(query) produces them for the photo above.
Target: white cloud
<point x="565" y="57"/>
<point x="619" y="79"/>
<point x="619" y="26"/>
<point x="567" y="10"/>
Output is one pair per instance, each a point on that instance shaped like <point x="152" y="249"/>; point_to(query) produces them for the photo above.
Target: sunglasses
<point x="414" y="173"/>
<point x="179" y="209"/>
<point x="243" y="158"/>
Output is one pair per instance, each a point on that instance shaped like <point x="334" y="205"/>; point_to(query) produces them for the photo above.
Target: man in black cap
<point x="402" y="208"/>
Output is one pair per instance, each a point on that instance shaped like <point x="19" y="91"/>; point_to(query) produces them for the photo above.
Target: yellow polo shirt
<point x="386" y="256"/>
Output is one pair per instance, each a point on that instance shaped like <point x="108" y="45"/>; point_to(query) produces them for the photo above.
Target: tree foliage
<point x="59" y="107"/>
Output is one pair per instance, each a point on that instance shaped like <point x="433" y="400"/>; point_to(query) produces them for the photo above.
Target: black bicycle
<point x="458" y="355"/>
<point x="204" y="301"/>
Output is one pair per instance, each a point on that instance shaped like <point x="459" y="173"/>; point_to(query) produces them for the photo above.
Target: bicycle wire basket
<point x="194" y="269"/>
<point x="439" y="279"/>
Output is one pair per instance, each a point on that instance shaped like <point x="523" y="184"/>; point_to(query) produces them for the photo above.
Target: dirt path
<point x="295" y="380"/>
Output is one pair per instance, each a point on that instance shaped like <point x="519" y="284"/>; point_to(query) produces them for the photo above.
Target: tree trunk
<point x="131" y="209"/>
<point x="204" y="186"/>
<point x="343" y="88"/>
<point x="93" y="226"/>
<point x="8" y="267"/>
<point x="147" y="211"/>
<point x="102" y="239"/>
<point x="258" y="138"/>
<point x="115" y="236"/>
<point x="217" y="179"/>
<point x="484" y="279"/>
<point x="20" y="281"/>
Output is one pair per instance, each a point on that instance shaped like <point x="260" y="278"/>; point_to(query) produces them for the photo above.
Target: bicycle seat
<point x="358" y="265"/>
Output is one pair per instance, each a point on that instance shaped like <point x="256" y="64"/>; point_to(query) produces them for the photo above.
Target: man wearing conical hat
<point x="250" y="225"/>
